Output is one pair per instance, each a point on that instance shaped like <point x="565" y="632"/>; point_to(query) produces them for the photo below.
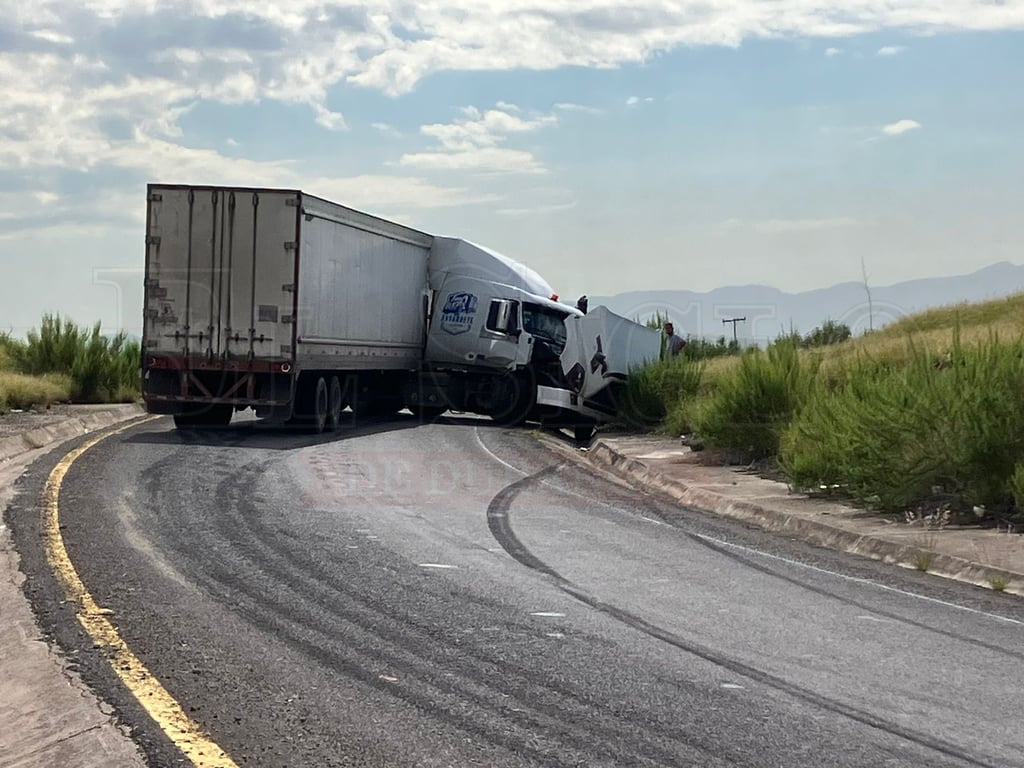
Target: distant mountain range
<point x="769" y="312"/>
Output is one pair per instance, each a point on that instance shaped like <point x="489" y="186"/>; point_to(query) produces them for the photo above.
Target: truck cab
<point x="499" y="343"/>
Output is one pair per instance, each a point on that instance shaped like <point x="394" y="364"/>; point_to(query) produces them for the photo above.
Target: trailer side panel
<point x="362" y="288"/>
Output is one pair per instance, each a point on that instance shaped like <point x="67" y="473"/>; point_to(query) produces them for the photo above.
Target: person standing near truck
<point x="675" y="342"/>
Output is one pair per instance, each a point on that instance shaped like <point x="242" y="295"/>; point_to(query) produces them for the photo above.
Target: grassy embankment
<point x="61" y="362"/>
<point x="927" y="412"/>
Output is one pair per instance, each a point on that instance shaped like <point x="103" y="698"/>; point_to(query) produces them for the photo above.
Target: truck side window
<point x="501" y="316"/>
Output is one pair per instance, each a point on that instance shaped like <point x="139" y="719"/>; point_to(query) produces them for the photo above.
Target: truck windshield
<point x="545" y="323"/>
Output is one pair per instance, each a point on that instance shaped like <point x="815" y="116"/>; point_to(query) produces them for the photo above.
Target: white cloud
<point x="51" y="36"/>
<point x="537" y="210"/>
<point x="568" y="106"/>
<point x="332" y="121"/>
<point x="507" y="107"/>
<point x="789" y="226"/>
<point x="378" y="192"/>
<point x="891" y="50"/>
<point x="386" y="128"/>
<point x="632" y="101"/>
<point x="298" y="51"/>
<point x="900" y="127"/>
<point x="473" y="143"/>
<point x="489" y="159"/>
<point x="108" y="85"/>
<point x="254" y="51"/>
<point x="232" y="142"/>
<point x="88" y="216"/>
<point x="833" y="51"/>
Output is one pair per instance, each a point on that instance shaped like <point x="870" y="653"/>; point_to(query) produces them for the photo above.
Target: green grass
<point x="923" y="561"/>
<point x="929" y="407"/>
<point x="659" y="391"/>
<point x="62" y="361"/>
<point x="755" y="400"/>
<point x="893" y="436"/>
<point x="18" y="391"/>
<point x="999" y="583"/>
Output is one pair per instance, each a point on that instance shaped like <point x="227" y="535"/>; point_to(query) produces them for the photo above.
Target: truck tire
<point x="320" y="405"/>
<point x="312" y="404"/>
<point x="515" y="398"/>
<point x="336" y="404"/>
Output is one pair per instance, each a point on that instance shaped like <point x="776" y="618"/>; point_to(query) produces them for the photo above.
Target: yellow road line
<point x="161" y="706"/>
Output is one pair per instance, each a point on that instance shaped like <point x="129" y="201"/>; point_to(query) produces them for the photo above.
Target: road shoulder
<point x="48" y="716"/>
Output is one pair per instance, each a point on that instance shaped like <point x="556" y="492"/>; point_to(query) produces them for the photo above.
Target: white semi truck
<point x="297" y="307"/>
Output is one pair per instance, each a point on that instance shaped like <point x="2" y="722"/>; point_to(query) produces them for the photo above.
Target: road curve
<point x="457" y="595"/>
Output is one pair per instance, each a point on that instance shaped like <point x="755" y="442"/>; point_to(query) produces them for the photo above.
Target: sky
<point x="612" y="146"/>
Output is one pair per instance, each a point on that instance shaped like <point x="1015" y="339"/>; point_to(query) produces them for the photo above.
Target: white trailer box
<point x="363" y="290"/>
<point x="242" y="283"/>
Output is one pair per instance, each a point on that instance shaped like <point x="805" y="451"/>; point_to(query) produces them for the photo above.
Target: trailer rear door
<point x="220" y="272"/>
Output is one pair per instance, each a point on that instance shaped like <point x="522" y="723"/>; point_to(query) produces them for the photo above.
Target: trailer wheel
<point x="336" y="404"/>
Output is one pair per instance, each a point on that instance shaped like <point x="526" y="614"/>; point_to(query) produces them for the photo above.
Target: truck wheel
<point x="320" y="406"/>
<point x="335" y="406"/>
<point x="515" y="397"/>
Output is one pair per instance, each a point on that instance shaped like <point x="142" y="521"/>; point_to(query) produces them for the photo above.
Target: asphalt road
<point x="458" y="595"/>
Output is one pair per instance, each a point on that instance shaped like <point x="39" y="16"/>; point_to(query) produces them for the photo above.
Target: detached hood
<point x="602" y="347"/>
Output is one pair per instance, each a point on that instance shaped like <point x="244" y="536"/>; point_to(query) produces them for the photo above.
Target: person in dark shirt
<point x="675" y="342"/>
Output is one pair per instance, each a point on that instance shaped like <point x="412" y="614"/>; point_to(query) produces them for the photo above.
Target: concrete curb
<point x="73" y="426"/>
<point x="815" y="532"/>
<point x="49" y="716"/>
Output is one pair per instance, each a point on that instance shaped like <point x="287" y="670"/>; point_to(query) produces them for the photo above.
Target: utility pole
<point x="734" y="320"/>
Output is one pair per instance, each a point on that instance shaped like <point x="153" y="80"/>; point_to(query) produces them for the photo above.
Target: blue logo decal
<point x="457" y="315"/>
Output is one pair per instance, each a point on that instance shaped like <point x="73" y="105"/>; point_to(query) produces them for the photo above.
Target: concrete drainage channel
<point x="85" y="420"/>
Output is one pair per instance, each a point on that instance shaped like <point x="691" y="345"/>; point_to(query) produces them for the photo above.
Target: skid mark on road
<point x="499" y="520"/>
<point x="165" y="710"/>
<point x="729" y="549"/>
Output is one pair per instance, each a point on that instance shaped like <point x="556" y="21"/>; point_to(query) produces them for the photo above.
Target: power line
<point x="734" y="320"/>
